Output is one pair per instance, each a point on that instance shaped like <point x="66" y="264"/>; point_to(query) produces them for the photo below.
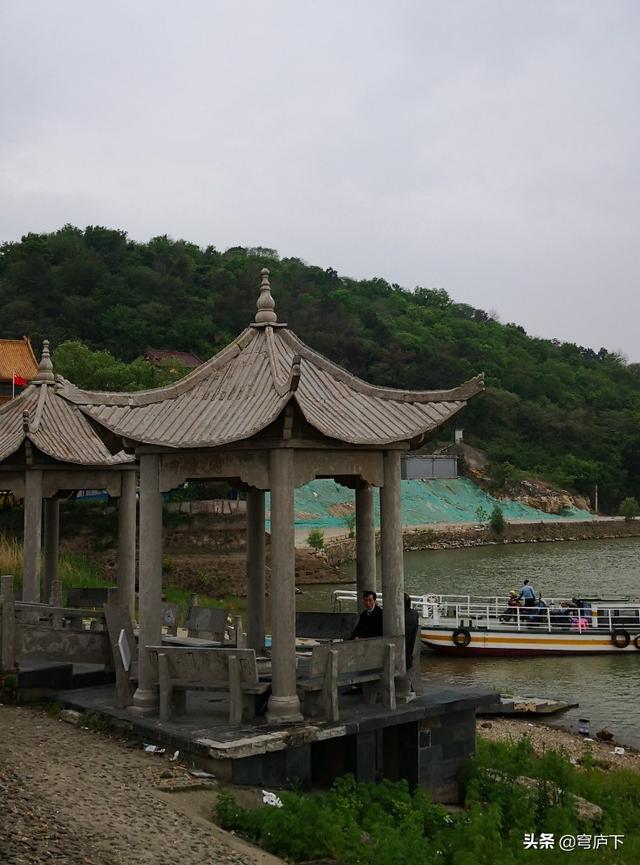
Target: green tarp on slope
<point x="322" y="503"/>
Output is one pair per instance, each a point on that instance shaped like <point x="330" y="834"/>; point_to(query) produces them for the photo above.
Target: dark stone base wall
<point x="446" y="744"/>
<point x="430" y="753"/>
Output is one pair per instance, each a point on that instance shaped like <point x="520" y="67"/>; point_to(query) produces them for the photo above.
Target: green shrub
<point x="98" y="722"/>
<point x="629" y="508"/>
<point x="386" y="824"/>
<point x="315" y="539"/>
<point x="350" y="522"/>
<point x="8" y="688"/>
<point x="53" y="708"/>
<point x="482" y="515"/>
<point x="496" y="520"/>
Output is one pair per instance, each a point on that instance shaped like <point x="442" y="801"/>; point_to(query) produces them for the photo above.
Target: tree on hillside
<point x="567" y="413"/>
<point x="100" y="370"/>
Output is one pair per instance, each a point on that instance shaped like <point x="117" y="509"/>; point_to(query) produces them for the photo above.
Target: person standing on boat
<point x="370" y="621"/>
<point x="527" y="594"/>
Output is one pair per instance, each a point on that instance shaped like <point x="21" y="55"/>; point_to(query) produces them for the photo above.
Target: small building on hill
<point x="159" y="356"/>
<point x="17" y="366"/>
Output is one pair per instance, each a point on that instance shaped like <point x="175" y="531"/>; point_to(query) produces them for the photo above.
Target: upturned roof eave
<point x="27" y="408"/>
<point x="465" y="391"/>
<point x="411" y="435"/>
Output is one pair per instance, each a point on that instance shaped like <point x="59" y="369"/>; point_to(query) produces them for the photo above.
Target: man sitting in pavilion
<point x="370" y="621"/>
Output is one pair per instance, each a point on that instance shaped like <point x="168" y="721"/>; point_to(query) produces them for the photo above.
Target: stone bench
<point x="182" y="669"/>
<point x="325" y="626"/>
<point x="208" y="623"/>
<point x="212" y="623"/>
<point x="170" y="618"/>
<point x="370" y="663"/>
<point x="124" y="646"/>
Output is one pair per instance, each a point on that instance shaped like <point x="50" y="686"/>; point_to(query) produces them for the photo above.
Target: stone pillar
<point x="365" y="541"/>
<point x="51" y="545"/>
<point x="150" y="584"/>
<point x="127" y="541"/>
<point x="32" y="535"/>
<point x="392" y="565"/>
<point x="7" y="626"/>
<point x="255" y="570"/>
<point x="284" y="705"/>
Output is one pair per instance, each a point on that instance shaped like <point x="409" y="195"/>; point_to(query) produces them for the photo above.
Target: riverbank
<point x="75" y="797"/>
<point x="544" y="738"/>
<point x="339" y="550"/>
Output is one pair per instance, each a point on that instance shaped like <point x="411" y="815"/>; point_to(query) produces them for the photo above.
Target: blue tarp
<point x="324" y="503"/>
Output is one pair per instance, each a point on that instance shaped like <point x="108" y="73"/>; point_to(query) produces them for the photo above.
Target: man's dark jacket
<point x="369" y="624"/>
<point x="411" y="627"/>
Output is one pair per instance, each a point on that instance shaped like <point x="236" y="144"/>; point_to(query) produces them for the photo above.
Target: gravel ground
<point x="72" y="797"/>
<point x="543" y="737"/>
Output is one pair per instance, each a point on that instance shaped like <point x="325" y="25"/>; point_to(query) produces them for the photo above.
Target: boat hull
<point x="490" y="643"/>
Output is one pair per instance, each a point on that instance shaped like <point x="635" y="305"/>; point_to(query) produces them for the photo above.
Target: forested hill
<point x="554" y="409"/>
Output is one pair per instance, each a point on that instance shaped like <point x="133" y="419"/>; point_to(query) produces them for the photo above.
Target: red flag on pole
<point x="19" y="381"/>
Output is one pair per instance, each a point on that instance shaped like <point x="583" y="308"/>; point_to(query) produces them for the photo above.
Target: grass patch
<point x="386" y="824"/>
<point x="53" y="708"/>
<point x="73" y="570"/>
<point x="10" y="556"/>
<point x="98" y="723"/>
<point x="234" y="604"/>
<point x="76" y="571"/>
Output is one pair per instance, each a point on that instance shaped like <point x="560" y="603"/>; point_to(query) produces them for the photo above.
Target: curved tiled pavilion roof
<point x="54" y="426"/>
<point x="242" y="390"/>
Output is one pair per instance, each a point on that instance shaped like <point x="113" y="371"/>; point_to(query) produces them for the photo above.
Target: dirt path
<point x="71" y="797"/>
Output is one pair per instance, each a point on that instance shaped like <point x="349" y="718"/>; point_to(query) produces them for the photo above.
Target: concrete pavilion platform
<point x="39" y="680"/>
<point x="426" y="741"/>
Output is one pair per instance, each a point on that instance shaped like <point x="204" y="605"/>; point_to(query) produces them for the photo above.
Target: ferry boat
<point x="485" y="626"/>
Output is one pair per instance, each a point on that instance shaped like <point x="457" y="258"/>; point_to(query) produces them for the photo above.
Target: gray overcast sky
<point x="489" y="148"/>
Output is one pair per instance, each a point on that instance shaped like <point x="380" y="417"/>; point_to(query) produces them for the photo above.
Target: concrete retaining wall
<point x="342" y="550"/>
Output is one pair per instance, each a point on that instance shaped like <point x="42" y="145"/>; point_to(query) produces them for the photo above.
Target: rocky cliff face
<point x="540" y="495"/>
<point x="475" y="465"/>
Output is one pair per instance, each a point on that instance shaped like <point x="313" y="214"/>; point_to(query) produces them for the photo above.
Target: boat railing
<point x="349" y="596"/>
<point x="490" y="611"/>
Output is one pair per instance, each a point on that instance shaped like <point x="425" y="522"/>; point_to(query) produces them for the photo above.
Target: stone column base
<point x="283" y="710"/>
<point x="146" y="701"/>
<point x="404" y="690"/>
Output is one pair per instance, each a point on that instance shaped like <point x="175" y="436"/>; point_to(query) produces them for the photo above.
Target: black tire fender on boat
<point x="461" y="637"/>
<point x="621" y="639"/>
<point x="636" y="641"/>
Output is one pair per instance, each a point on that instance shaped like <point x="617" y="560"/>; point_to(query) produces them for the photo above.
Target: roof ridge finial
<point x="45" y="367"/>
<point x="266" y="304"/>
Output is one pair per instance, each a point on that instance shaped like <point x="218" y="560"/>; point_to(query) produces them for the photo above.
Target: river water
<point x="606" y="687"/>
